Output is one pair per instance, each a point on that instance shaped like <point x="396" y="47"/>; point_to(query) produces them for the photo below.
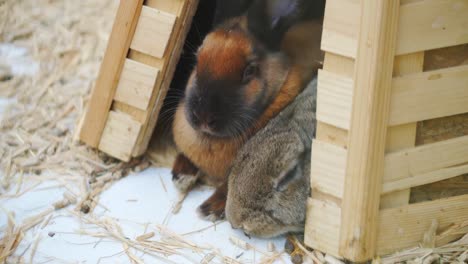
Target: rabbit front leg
<point x="213" y="209"/>
<point x="184" y="173"/>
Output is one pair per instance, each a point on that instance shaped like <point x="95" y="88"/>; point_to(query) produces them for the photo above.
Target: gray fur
<point x="260" y="199"/>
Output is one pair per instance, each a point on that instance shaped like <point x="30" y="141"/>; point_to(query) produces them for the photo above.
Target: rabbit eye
<point x="250" y="72"/>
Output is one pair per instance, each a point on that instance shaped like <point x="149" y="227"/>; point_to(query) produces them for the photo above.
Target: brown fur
<point x="223" y="56"/>
<point x="214" y="155"/>
<point x="182" y="165"/>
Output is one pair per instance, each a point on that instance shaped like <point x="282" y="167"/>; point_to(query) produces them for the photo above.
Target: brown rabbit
<point x="269" y="179"/>
<point x="248" y="69"/>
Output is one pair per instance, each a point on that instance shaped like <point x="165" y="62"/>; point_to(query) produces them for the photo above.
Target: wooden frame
<point x="372" y="92"/>
<point x="143" y="51"/>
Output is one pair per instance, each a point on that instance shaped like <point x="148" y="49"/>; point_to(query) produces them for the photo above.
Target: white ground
<point x="137" y="200"/>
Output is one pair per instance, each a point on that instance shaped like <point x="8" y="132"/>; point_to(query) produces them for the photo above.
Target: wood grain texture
<point x="341" y="27"/>
<point x="403" y="136"/>
<point x="120" y="135"/>
<point x="424" y="159"/>
<point x="153" y="32"/>
<point x="136" y="84"/>
<point x="328" y="168"/>
<point x="423" y="25"/>
<point x="414" y="97"/>
<point x="323" y="225"/>
<point x="429" y="95"/>
<point x="368" y="128"/>
<point x="404" y="227"/>
<point x="103" y="92"/>
<point x="331" y="134"/>
<point x="334" y="93"/>
<point x="168" y="6"/>
<point x="428" y="25"/>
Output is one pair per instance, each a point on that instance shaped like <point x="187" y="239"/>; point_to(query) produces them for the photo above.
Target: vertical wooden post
<point x="103" y="93"/>
<point x="367" y="135"/>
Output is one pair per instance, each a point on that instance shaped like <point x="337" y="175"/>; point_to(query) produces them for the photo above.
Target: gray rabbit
<point x="269" y="180"/>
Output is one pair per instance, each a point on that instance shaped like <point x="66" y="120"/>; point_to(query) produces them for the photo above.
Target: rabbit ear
<point x="268" y="20"/>
<point x="226" y="9"/>
<point x="287" y="164"/>
<point x="287" y="176"/>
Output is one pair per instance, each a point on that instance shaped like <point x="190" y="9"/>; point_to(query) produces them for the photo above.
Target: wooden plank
<point x="402" y="170"/>
<point x="176" y="44"/>
<point x="423" y="25"/>
<point x="136" y="84"/>
<point x="132" y="111"/>
<point x="331" y="134"/>
<point x="403" y="136"/>
<point x="168" y="6"/>
<point x="342" y="66"/>
<point x="334" y="93"/>
<point x="368" y="129"/>
<point x="119" y="136"/>
<point x="415" y="97"/>
<point x="323" y="226"/>
<point x="424" y="178"/>
<point x="103" y="93"/>
<point x="404" y="227"/>
<point x="153" y="32"/>
<point x="429" y="95"/>
<point x="341" y="27"/>
<point x="432" y="24"/>
<point x="328" y="169"/>
<point x="417" y="162"/>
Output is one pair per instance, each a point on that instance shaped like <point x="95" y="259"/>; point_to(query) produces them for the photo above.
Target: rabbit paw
<point x="291" y="247"/>
<point x="213" y="208"/>
<point x="183" y="182"/>
<point x="184" y="174"/>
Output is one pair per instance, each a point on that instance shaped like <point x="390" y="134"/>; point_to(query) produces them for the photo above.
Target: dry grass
<point x="68" y="38"/>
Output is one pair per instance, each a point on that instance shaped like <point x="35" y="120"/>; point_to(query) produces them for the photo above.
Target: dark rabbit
<point x="248" y="69"/>
<point x="269" y="180"/>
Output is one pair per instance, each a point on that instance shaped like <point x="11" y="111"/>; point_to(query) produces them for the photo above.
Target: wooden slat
<point x="342" y="66"/>
<point x="428" y="25"/>
<point x="403" y="136"/>
<point x="404" y="227"/>
<point x="136" y="84"/>
<point x="168" y="6"/>
<point x="328" y="169"/>
<point x="177" y="42"/>
<point x="153" y="32"/>
<point x="120" y="135"/>
<point x="331" y="134"/>
<point x="103" y="93"/>
<point x="341" y="27"/>
<point x="368" y="129"/>
<point x="413" y="165"/>
<point x="334" y="93"/>
<point x="415" y="97"/>
<point x="429" y="95"/>
<point x="424" y="178"/>
<point x="423" y="25"/>
<point x="323" y="226"/>
<point x="402" y="170"/>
